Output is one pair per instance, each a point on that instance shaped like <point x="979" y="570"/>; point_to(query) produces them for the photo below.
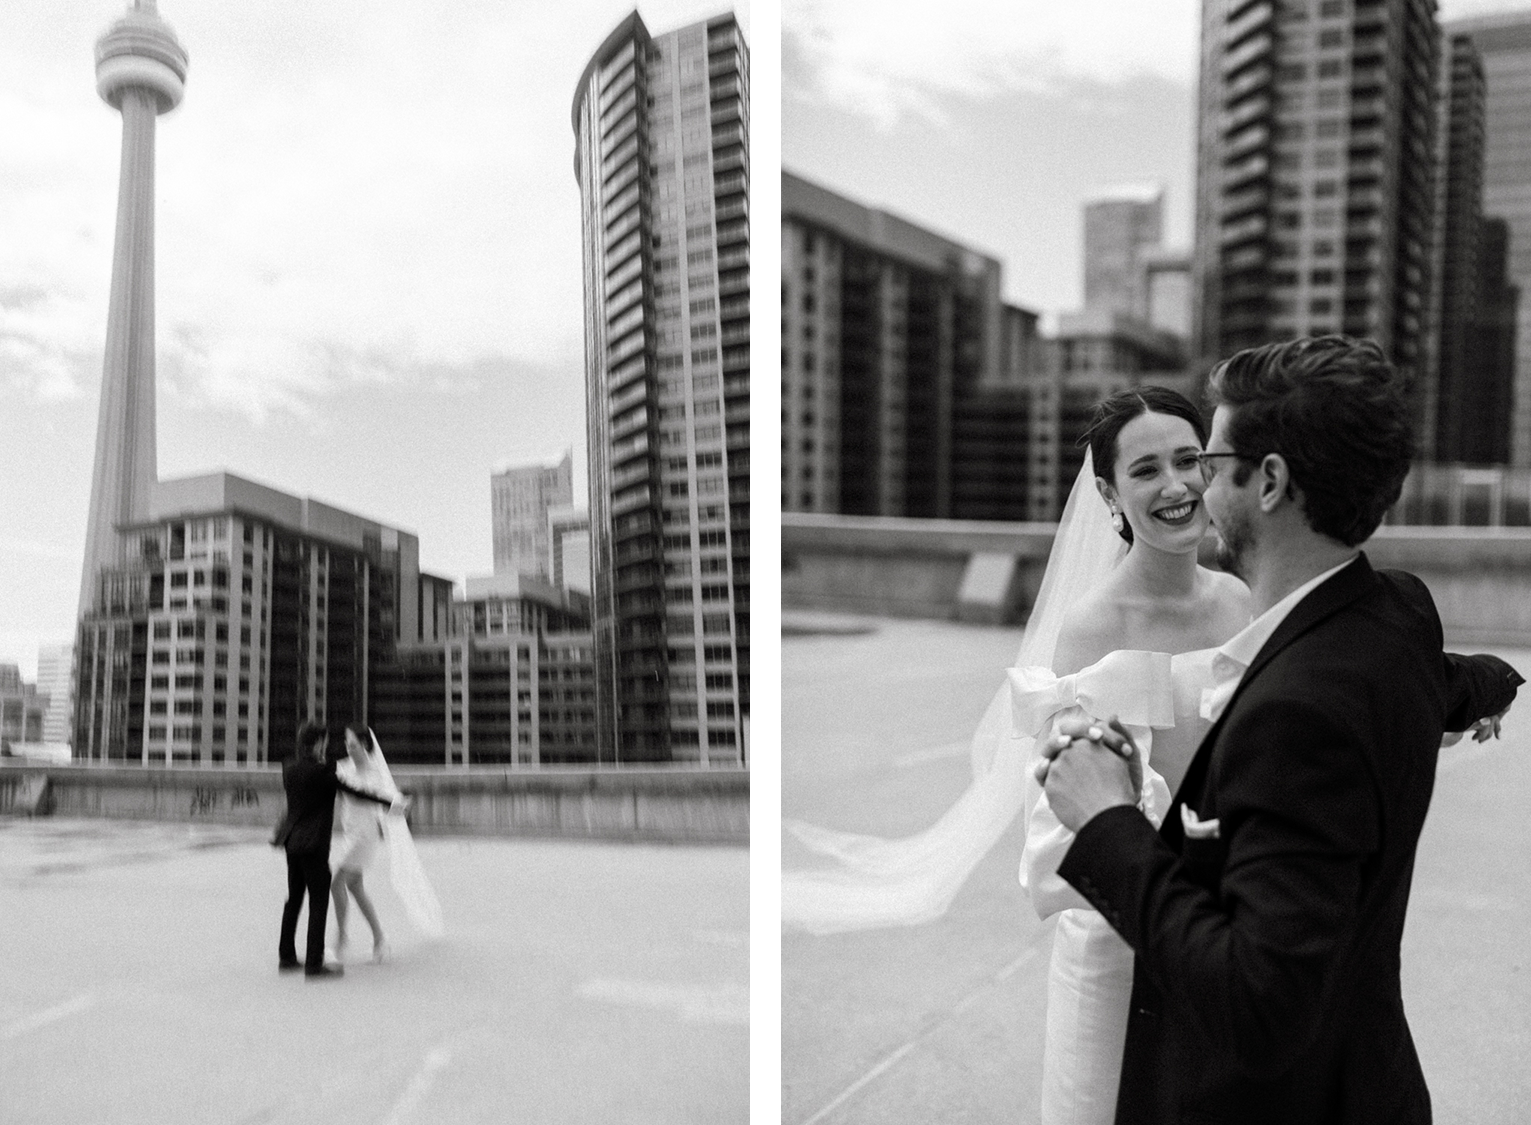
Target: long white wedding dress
<point x="1158" y="697"/>
<point x="368" y="837"/>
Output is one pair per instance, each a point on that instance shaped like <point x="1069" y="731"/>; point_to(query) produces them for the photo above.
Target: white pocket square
<point x="1195" y="827"/>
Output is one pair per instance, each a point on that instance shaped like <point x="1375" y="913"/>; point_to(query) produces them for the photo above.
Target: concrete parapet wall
<point x="1480" y="577"/>
<point x="640" y="804"/>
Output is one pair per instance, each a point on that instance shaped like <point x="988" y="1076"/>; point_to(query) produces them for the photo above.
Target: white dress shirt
<point x="1239" y="651"/>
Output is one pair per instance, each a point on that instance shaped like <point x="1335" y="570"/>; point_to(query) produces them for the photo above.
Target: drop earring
<point x="1117" y="521"/>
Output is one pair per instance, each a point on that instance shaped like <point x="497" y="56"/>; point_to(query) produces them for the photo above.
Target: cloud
<point x="900" y="58"/>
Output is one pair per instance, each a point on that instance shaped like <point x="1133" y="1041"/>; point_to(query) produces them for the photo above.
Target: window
<point x="161" y="630"/>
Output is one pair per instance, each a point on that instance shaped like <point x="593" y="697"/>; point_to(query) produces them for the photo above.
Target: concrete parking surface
<point x="576" y="983"/>
<point x="944" y="1022"/>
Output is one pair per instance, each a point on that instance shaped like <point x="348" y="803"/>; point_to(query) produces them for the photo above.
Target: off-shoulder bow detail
<point x="1137" y="687"/>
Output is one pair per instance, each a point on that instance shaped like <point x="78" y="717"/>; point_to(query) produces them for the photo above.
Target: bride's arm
<point x="1047" y="842"/>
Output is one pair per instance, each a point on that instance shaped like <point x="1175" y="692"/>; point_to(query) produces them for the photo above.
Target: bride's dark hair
<point x="1115" y="411"/>
<point x="364" y="732"/>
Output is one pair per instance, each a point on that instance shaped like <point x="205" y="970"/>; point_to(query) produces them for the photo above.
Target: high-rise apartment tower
<point x="1504" y="44"/>
<point x="662" y="126"/>
<point x="1314" y="173"/>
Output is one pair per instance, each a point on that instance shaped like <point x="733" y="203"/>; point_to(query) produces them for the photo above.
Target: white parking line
<point x="424" y="1078"/>
<point x="725" y="1004"/>
<point x="48" y="1015"/>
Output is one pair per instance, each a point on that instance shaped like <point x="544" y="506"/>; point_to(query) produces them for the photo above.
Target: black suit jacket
<point x="310" y="820"/>
<point x="1266" y="986"/>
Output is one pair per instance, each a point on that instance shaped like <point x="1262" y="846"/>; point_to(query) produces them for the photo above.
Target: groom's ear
<point x="1275" y="482"/>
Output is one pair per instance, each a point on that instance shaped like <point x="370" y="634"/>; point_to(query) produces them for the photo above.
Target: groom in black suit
<point x="1268" y="912"/>
<point x="311" y="785"/>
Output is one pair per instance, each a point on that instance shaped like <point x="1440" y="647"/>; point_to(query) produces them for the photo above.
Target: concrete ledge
<point x="654" y="805"/>
<point x="955" y="570"/>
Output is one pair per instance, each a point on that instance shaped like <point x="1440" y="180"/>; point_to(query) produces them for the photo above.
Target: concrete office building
<point x="909" y="388"/>
<point x="1314" y="191"/>
<point x="662" y="137"/>
<point x="244" y="612"/>
<point x="1503" y="43"/>
<point x="512" y="685"/>
<point x="55" y="679"/>
<point x="520" y="500"/>
<point x="1121" y="226"/>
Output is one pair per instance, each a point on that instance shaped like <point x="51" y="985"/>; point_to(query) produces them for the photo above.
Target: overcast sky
<point x="993" y="123"/>
<point x="368" y="268"/>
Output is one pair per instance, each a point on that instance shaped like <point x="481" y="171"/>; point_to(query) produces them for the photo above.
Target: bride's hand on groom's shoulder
<point x="1488" y="727"/>
<point x="1483" y="730"/>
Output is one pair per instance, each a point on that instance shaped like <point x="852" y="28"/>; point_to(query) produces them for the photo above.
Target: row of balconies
<point x="627" y="127"/>
<point x="726" y="111"/>
<point x="617" y="76"/>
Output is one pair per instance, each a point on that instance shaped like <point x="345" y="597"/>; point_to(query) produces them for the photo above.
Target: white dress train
<point x="1089" y="984"/>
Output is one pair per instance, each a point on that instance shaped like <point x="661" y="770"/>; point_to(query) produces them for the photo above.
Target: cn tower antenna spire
<point x="141" y="72"/>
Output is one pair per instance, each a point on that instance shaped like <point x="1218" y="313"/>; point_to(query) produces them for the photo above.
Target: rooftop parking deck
<point x="577" y="982"/>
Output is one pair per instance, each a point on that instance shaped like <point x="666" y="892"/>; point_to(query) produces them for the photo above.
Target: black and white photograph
<point x="1156" y="561"/>
<point x="374" y="562"/>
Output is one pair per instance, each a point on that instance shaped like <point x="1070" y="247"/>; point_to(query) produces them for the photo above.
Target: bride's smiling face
<point x="1156" y="482"/>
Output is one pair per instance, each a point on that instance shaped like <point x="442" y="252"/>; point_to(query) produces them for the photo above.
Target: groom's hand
<point x="1087" y="768"/>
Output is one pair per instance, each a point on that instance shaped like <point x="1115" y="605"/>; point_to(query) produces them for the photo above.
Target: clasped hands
<point x="1088" y="767"/>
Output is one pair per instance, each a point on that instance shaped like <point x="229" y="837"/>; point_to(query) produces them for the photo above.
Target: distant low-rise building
<point x="521" y="500"/>
<point x="21" y="708"/>
<point x="513" y="685"/>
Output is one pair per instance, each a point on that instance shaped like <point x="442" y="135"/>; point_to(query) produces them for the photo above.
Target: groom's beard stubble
<point x="1232" y="546"/>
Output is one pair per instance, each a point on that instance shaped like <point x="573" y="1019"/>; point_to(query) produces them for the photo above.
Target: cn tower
<point x="141" y="72"/>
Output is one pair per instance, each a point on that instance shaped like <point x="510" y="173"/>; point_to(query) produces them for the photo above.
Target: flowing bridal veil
<point x="877" y="882"/>
<point x="405" y="873"/>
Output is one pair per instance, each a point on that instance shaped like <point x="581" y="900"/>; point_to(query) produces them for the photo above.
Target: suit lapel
<point x="1324" y="602"/>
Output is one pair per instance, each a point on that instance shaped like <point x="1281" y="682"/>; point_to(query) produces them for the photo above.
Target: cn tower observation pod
<point x="141" y="52"/>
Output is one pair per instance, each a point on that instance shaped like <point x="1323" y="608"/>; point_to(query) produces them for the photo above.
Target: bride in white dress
<point x="1125" y="624"/>
<point x="368" y="838"/>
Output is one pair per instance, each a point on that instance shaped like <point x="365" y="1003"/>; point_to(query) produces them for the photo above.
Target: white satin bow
<point x="1134" y="686"/>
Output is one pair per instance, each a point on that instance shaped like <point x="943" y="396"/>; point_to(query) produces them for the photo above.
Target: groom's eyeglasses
<point x="1208" y="463"/>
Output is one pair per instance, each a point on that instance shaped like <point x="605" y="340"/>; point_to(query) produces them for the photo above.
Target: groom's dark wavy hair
<point x="1113" y="413"/>
<point x="1338" y="413"/>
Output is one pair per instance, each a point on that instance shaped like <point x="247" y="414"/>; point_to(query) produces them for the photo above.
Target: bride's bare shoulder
<point x="1090" y="630"/>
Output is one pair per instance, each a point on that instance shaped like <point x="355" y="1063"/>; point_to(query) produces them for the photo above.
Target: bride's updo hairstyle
<point x="1115" y="411"/>
<point x="364" y="732"/>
